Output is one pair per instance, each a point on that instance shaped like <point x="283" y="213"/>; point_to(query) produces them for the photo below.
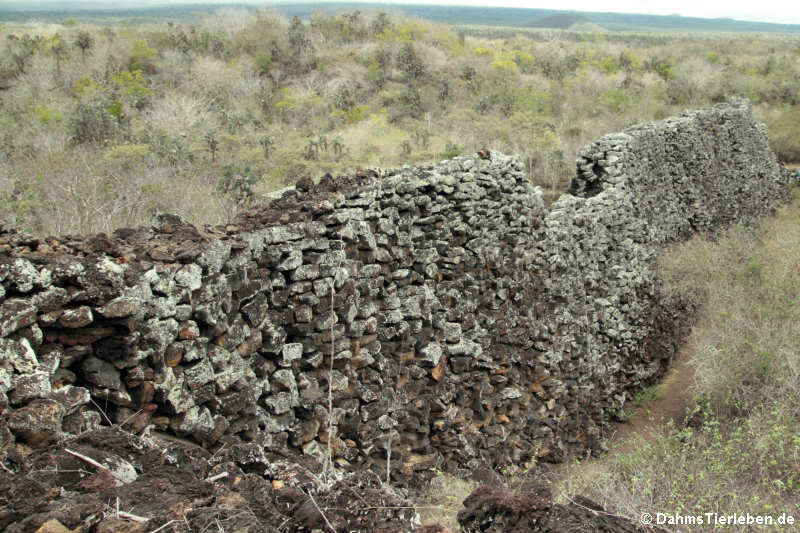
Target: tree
<point x="212" y="145"/>
<point x="84" y="42"/>
<point x="297" y="36"/>
<point x="445" y="93"/>
<point x="410" y="62"/>
<point x="23" y="48"/>
<point x="664" y="67"/>
<point x="58" y="49"/>
<point x="381" y="23"/>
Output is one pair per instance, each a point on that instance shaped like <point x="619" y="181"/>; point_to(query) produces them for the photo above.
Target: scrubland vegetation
<point x="101" y="126"/>
<point x="740" y="451"/>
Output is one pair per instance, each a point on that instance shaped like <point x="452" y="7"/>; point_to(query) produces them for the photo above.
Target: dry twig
<point x="221" y="475"/>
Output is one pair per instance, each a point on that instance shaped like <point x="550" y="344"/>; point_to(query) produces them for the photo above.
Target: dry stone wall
<point x="435" y="317"/>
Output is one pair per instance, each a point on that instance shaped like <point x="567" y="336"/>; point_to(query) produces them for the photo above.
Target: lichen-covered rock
<point x="16" y="313"/>
<point x="38" y="423"/>
<point x="27" y="387"/>
<point x="19" y="355"/>
<point x="76" y="318"/>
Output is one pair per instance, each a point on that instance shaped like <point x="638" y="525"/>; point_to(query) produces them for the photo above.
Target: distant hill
<point x="523" y="17"/>
<point x="464" y="15"/>
<point x="559" y="21"/>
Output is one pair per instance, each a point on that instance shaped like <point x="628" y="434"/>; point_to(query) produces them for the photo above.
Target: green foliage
<point x="451" y="150"/>
<point x="22" y="49"/>
<point x="664" y="67"/>
<point x="98" y="118"/>
<point x="784" y="131"/>
<point x="410" y="63"/>
<point x="84" y="41"/>
<point x="396" y="90"/>
<point x="142" y="58"/>
<point x="406" y="32"/>
<point x="263" y="63"/>
<point x="525" y="62"/>
<point x="237" y="182"/>
<point x="127" y="156"/>
<point x="294" y="105"/>
<point x="505" y="64"/>
<point x="616" y="100"/>
<point x="115" y="110"/>
<point x="535" y="101"/>
<point x="350" y="116"/>
<point x="130" y="84"/>
<point x="47" y="115"/>
<point x="627" y="61"/>
<point x="609" y="65"/>
<point x="57" y="48"/>
<point x="83" y="85"/>
<point x="646" y="396"/>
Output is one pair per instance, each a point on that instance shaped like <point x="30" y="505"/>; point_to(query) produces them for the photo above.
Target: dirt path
<point x="671" y="404"/>
<point x="674" y="398"/>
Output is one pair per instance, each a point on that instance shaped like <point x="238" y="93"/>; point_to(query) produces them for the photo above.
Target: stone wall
<point x="435" y="317"/>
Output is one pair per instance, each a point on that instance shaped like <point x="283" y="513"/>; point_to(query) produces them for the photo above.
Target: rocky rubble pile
<point x="111" y="481"/>
<point x="139" y="485"/>
<point x="406" y="320"/>
<point x="495" y="510"/>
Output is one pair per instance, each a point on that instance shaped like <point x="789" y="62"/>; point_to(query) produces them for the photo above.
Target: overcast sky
<point x="781" y="11"/>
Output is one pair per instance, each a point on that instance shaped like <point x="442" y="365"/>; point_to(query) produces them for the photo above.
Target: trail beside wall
<point x="443" y="312"/>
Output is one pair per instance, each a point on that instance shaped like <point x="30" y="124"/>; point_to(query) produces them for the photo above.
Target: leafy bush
<point x="47" y="115"/>
<point x="451" y="150"/>
<point x="237" y="182"/>
<point x="263" y="63"/>
<point x="142" y="58"/>
<point x="410" y="63"/>
<point x="131" y="86"/>
<point x="97" y="118"/>
<point x="127" y="156"/>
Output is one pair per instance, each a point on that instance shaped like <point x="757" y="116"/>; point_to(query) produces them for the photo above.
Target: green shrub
<point x="47" y="115"/>
<point x="451" y="150"/>
<point x="84" y="42"/>
<point x="784" y="133"/>
<point x="97" y="118"/>
<point x="263" y="63"/>
<point x="130" y="84"/>
<point x="410" y="63"/>
<point x="237" y="183"/>
<point x="142" y="58"/>
<point x="127" y="156"/>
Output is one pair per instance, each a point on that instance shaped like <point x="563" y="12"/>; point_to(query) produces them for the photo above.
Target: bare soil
<point x="674" y="399"/>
